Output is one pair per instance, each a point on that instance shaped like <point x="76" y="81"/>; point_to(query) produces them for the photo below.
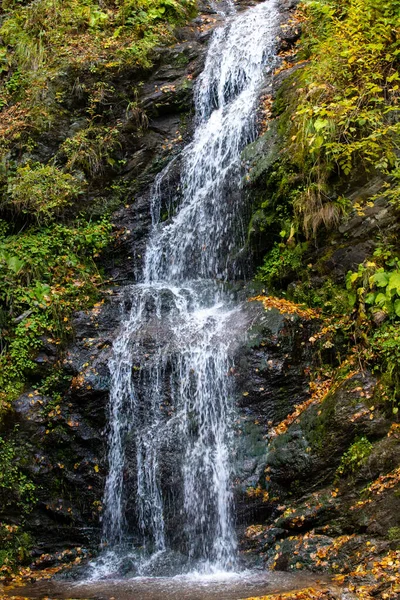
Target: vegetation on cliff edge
<point x="333" y="172"/>
<point x="338" y="128"/>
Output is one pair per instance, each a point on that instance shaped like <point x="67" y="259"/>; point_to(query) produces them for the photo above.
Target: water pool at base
<point x="220" y="586"/>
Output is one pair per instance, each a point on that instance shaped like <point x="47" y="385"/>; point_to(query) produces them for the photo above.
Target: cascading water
<point x="171" y="390"/>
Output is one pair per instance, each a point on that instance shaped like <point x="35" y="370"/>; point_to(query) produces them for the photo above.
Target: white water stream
<point x="171" y="394"/>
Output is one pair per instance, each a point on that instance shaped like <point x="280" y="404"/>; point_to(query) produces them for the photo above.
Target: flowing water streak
<point x="182" y="310"/>
<point x="201" y="238"/>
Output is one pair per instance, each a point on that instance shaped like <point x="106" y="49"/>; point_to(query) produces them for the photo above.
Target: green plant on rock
<point x="15" y="486"/>
<point x="394" y="533"/>
<point x="55" y="384"/>
<point x="91" y="149"/>
<point x="314" y="207"/>
<point x="282" y="261"/>
<point x="43" y="41"/>
<point x="45" y="275"/>
<point x="341" y="113"/>
<point x="331" y="297"/>
<point x="385" y="351"/>
<point x="43" y="191"/>
<point x="15" y="547"/>
<point x="376" y="289"/>
<point x="355" y="457"/>
<point x="138" y="13"/>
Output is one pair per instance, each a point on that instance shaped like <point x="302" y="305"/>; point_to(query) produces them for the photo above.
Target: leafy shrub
<point x="15" y="545"/>
<point x="137" y="12"/>
<point x="42" y="191"/>
<point x="330" y="297"/>
<point x="280" y="262"/>
<point x="90" y="149"/>
<point x="376" y="288"/>
<point x="341" y="113"/>
<point x="44" y="42"/>
<point x="385" y="349"/>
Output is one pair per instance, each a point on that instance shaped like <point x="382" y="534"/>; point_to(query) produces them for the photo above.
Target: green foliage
<point x="60" y="59"/>
<point x="338" y="122"/>
<point x="341" y="113"/>
<point x="15" y="545"/>
<point x="375" y="289"/>
<point x="60" y="64"/>
<point x="15" y="487"/>
<point x="330" y="296"/>
<point x="353" y="118"/>
<point x="354" y="458"/>
<point x="362" y="319"/>
<point x="55" y="384"/>
<point x="281" y="262"/>
<point x="394" y="533"/>
<point x="90" y="149"/>
<point x="45" y="274"/>
<point x="138" y="12"/>
<point x="275" y="213"/>
<point x="42" y="191"/>
<point x="385" y="350"/>
<point x="44" y="37"/>
<point x="13" y="85"/>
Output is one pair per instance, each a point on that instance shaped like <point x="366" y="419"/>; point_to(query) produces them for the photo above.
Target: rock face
<point x="271" y="378"/>
<point x="326" y="480"/>
<point x="270" y="375"/>
<point x="310" y="503"/>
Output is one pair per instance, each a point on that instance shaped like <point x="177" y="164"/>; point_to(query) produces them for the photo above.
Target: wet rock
<point x="288" y="4"/>
<point x="166" y="564"/>
<point x="271" y="378"/>
<point x="271" y="370"/>
<point x="380" y="513"/>
<point x="342" y="515"/>
<point x="62" y="447"/>
<point x="29" y="408"/>
<point x="261" y="154"/>
<point x="309" y="452"/>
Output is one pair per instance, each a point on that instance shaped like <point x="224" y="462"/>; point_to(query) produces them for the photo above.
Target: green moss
<point x="262" y="154"/>
<point x="180" y="60"/>
<point x="316" y="423"/>
<point x="394" y="534"/>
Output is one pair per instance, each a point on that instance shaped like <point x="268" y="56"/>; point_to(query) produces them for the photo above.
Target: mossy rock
<point x="309" y="452"/>
<point x="262" y="154"/>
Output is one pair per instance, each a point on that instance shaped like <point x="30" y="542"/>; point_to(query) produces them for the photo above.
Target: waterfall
<point x="171" y="410"/>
